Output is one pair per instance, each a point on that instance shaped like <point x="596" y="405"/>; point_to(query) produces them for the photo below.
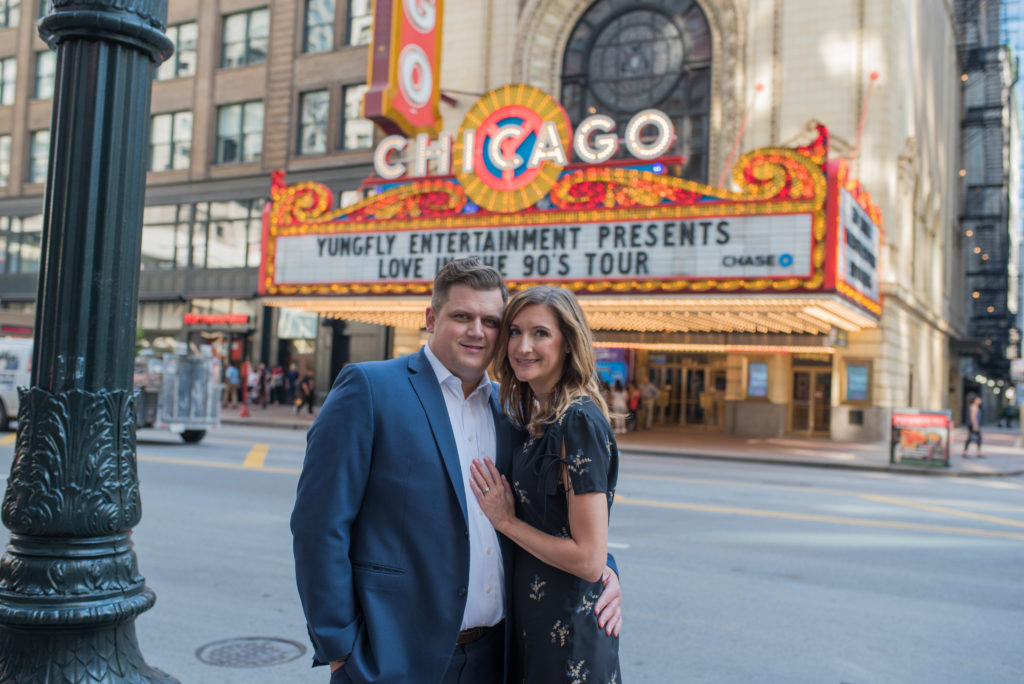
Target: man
<point x="231" y="380"/>
<point x="402" y="579"/>
<point x="973" y="426"/>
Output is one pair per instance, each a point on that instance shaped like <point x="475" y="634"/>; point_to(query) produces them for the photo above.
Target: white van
<point x="15" y="364"/>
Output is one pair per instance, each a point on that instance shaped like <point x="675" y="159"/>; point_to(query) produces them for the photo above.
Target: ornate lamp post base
<point x="102" y="655"/>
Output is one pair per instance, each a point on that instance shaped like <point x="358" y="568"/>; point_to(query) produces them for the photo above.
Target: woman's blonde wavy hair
<point x="578" y="372"/>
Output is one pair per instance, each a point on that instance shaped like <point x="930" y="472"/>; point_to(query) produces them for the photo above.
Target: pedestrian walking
<point x="262" y="385"/>
<point x="633" y="394"/>
<point x="620" y="407"/>
<point x="648" y="398"/>
<point x="973" y="421"/>
<point x="231" y="382"/>
<point x="277" y="385"/>
<point x="291" y="384"/>
<point x="306" y="390"/>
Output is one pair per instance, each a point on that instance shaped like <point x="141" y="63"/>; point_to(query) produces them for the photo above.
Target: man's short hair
<point x="466" y="271"/>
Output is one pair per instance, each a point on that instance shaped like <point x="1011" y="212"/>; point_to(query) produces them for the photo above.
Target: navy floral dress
<point x="558" y="639"/>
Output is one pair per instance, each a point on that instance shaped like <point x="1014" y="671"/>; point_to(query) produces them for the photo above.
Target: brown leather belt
<point x="468" y="636"/>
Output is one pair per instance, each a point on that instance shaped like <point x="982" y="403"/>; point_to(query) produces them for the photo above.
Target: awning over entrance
<point x="781" y="314"/>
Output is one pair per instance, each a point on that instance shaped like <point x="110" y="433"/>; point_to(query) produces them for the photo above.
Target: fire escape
<point x="989" y="72"/>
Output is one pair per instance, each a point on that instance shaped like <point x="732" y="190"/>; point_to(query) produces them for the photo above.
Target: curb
<point x="906" y="470"/>
<point x="279" y="424"/>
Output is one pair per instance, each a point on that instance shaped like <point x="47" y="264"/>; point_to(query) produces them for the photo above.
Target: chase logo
<point x="769" y="260"/>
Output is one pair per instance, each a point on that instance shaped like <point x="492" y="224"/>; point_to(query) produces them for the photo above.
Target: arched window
<point x="624" y="56"/>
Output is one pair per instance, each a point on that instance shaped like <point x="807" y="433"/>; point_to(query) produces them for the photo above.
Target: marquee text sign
<point x="860" y="243"/>
<point x="713" y="247"/>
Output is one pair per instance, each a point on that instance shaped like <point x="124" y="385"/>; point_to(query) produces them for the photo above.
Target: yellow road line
<point x="838" y="520"/>
<point x="943" y="509"/>
<point x="256" y="456"/>
<point x="9" y="439"/>
<point x="215" y="464"/>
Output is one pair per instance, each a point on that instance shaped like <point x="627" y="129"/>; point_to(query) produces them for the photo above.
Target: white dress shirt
<point x="473" y="427"/>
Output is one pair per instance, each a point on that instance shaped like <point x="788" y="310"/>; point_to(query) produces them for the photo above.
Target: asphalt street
<point x="732" y="572"/>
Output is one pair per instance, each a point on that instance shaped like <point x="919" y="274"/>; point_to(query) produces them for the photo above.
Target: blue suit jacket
<point x="380" y="534"/>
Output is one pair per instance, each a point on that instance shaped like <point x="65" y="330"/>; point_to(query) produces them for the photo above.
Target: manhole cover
<point x="249" y="652"/>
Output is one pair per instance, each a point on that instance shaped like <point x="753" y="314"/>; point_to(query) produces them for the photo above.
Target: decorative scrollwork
<point x="779" y="173"/>
<point x="74" y="470"/>
<point x="310" y="202"/>
<point x="621" y="188"/>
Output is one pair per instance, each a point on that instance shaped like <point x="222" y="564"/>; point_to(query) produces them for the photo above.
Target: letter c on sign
<point x="384" y="167"/>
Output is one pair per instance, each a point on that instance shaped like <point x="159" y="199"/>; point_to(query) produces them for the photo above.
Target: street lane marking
<point x="943" y="509"/>
<point x="809" y="489"/>
<point x="617" y="545"/>
<point x="734" y="483"/>
<point x="9" y="439"/>
<point x="213" y="464"/>
<point x="256" y="456"/>
<point x="810" y="517"/>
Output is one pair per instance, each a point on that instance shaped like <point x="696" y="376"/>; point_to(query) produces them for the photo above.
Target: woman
<point x="563" y="479"/>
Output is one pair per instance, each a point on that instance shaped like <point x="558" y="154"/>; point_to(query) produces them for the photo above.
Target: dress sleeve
<point x="591" y="455"/>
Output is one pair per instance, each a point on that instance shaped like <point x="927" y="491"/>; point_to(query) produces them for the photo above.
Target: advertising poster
<point x="920" y="437"/>
<point x="612" y="365"/>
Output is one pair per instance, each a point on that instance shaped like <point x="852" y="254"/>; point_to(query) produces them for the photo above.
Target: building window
<point x="165" y="231"/>
<point x="621" y="59"/>
<point x="8" y="78"/>
<point x="245" y="38"/>
<point x="5" y="160"/>
<point x="183" y="61"/>
<point x="356" y="132"/>
<point x="46" y="70"/>
<point x="319" y="28"/>
<point x="170" y="141"/>
<point x="360" y="22"/>
<point x="239" y="132"/>
<point x="313" y="122"/>
<point x="10" y="11"/>
<point x="39" y="156"/>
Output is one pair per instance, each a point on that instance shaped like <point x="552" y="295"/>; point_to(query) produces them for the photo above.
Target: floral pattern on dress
<point x="587" y="603"/>
<point x="537" y="588"/>
<point x="577" y="463"/>
<point x="560" y="633"/>
<point x="577" y="671"/>
<point x="520" y="493"/>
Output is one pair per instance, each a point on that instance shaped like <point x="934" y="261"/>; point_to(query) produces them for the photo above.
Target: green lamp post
<point x="70" y="587"/>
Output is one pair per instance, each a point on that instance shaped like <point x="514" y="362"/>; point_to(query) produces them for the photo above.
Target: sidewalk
<point x="1002" y="458"/>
